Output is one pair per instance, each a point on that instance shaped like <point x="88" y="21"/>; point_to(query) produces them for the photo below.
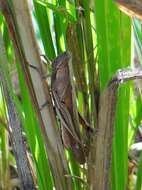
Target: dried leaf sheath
<point x="62" y="92"/>
<point x="107" y="109"/>
<point x="132" y="8"/>
<point x="14" y="125"/>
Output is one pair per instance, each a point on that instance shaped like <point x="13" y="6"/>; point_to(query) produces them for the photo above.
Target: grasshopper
<point x="63" y="95"/>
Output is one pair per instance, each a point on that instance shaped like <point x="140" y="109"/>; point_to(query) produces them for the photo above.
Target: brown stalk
<point x="77" y="57"/>
<point x="132" y="8"/>
<point x="78" y="63"/>
<point x="15" y="131"/>
<point x="19" y="148"/>
<point x="106" y="118"/>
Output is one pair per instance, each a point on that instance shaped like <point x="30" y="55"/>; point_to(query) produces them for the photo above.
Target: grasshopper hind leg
<point x="76" y="147"/>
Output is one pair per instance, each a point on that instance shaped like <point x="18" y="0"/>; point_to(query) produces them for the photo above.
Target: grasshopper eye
<point x="76" y="146"/>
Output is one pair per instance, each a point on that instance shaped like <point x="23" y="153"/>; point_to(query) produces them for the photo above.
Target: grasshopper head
<point x="61" y="60"/>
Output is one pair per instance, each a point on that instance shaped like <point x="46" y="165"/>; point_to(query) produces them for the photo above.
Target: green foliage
<point x="99" y="38"/>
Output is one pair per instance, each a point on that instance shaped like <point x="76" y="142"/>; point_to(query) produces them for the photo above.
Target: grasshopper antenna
<point x="45" y="60"/>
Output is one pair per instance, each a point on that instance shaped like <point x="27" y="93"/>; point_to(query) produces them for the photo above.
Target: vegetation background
<point x="102" y="40"/>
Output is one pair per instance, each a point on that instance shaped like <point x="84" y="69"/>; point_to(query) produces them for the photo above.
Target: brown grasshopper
<point x="64" y="100"/>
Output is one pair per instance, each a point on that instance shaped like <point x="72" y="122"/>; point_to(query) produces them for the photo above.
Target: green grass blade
<point x="45" y="30"/>
<point x="60" y="27"/>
